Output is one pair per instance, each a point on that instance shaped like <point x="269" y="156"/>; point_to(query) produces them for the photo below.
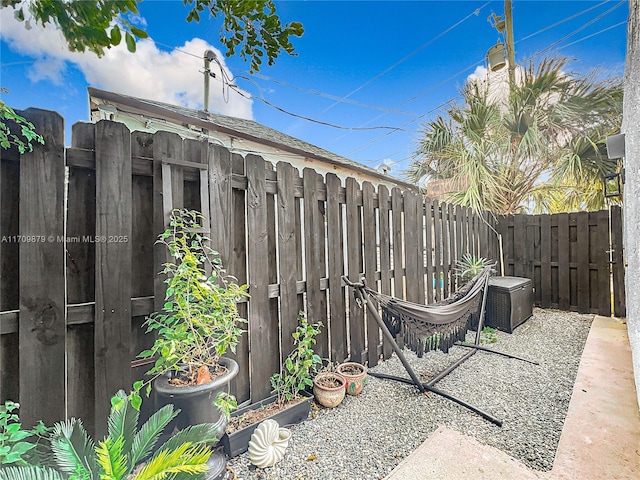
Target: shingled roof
<point x="238" y="127"/>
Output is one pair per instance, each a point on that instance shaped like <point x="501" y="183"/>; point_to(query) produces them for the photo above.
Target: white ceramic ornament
<point x="268" y="443"/>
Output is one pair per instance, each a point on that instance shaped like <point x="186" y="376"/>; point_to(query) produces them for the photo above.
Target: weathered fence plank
<point x="412" y="252"/>
<point x="313" y="223"/>
<point x="238" y="267"/>
<point x="398" y="239"/>
<point x="370" y="266"/>
<point x="545" y="261"/>
<point x="263" y="334"/>
<point x="437" y="240"/>
<point x="385" y="254"/>
<point x="355" y="267"/>
<point x="335" y="250"/>
<point x="288" y="248"/>
<point x="42" y="293"/>
<point x="113" y="266"/>
<point x="81" y="256"/>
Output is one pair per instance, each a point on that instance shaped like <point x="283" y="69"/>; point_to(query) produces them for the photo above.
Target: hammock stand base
<point x="424" y="387"/>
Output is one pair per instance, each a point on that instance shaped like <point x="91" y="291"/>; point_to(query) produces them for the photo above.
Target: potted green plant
<point x="469" y="266"/>
<point x="290" y="404"/>
<point x="197" y="326"/>
<point x="126" y="453"/>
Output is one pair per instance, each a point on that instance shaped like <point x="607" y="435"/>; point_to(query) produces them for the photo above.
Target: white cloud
<point x="174" y="77"/>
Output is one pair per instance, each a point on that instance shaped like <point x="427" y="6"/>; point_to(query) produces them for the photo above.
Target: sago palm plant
<point x="126" y="453"/>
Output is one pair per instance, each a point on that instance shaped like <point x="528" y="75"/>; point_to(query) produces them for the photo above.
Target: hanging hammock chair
<point x="436" y="326"/>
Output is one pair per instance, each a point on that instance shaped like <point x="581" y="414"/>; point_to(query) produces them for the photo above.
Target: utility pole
<point x="511" y="54"/>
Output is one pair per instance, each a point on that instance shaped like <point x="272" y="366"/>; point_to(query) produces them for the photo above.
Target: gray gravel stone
<point x="366" y="436"/>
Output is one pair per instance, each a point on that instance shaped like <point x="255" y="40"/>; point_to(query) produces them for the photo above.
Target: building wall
<point x="241" y="146"/>
<point x="631" y="129"/>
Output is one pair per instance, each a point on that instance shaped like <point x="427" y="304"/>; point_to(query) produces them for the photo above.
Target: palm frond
<point x="111" y="458"/>
<point x="148" y="435"/>
<point x="123" y="422"/>
<point x="30" y="473"/>
<point x="194" y="434"/>
<point x="73" y="449"/>
<point x="185" y="459"/>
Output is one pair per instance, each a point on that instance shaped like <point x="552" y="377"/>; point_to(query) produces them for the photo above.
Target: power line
<point x="480" y="61"/>
<point x="561" y="21"/>
<point x="384" y="72"/>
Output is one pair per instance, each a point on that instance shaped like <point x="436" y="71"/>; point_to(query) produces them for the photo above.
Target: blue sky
<point x="360" y="65"/>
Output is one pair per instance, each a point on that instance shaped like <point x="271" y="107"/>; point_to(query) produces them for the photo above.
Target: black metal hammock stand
<point x="437" y="326"/>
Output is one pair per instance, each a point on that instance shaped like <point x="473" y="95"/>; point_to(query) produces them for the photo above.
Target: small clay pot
<point x="329" y="389"/>
<point x="356" y="376"/>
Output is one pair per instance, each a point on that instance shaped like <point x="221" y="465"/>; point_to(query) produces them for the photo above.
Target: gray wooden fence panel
<point x="398" y="241"/>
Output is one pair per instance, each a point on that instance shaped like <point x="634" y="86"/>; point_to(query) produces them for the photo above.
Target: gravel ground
<point x="366" y="436"/>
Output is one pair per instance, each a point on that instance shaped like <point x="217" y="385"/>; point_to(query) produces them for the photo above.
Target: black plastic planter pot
<point x="238" y="442"/>
<point x="196" y="402"/>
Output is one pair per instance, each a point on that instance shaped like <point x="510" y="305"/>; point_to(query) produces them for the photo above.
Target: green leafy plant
<point x="126" y="453"/>
<point x="27" y="129"/>
<point x="301" y="364"/>
<point x="200" y="320"/>
<point x="15" y="445"/>
<point x="469" y="266"/>
<point x="489" y="335"/>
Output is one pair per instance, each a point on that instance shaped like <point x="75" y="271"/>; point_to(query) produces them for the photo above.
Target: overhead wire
<point x="481" y="61"/>
<point x="399" y="62"/>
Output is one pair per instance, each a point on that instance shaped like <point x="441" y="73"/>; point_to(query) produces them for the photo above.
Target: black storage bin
<point x="509" y="302"/>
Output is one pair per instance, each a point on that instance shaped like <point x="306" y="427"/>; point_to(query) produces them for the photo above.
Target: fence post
<point x="42" y="304"/>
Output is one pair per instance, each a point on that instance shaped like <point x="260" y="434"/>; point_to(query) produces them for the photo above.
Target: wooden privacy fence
<point x="574" y="259"/>
<point x="74" y="293"/>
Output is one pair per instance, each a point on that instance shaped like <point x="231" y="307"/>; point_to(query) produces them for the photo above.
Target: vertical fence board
<point x="335" y="250"/>
<point x="545" y="261"/>
<point x="238" y="268"/>
<point x="519" y="245"/>
<point x="582" y="225"/>
<point x="263" y="334"/>
<point x="564" y="294"/>
<point x="428" y="233"/>
<point x="412" y="253"/>
<point x="113" y="266"/>
<point x="385" y="255"/>
<point x="437" y="240"/>
<point x="220" y="202"/>
<point x="81" y="256"/>
<point x="617" y="267"/>
<point x="354" y="265"/>
<point x="370" y="266"/>
<point x="453" y="254"/>
<point x="420" y="219"/>
<point x="321" y="231"/>
<point x="42" y="294"/>
<point x="603" y="288"/>
<point x="286" y="175"/>
<point x="9" y="277"/>
<point x="446" y="259"/>
<point x="313" y="221"/>
<point x="398" y="239"/>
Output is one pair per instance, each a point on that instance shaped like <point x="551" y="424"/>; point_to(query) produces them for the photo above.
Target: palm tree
<point x="539" y="144"/>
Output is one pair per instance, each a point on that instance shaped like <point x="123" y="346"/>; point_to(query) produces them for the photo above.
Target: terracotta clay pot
<point x="329" y="389"/>
<point x="355" y="375"/>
